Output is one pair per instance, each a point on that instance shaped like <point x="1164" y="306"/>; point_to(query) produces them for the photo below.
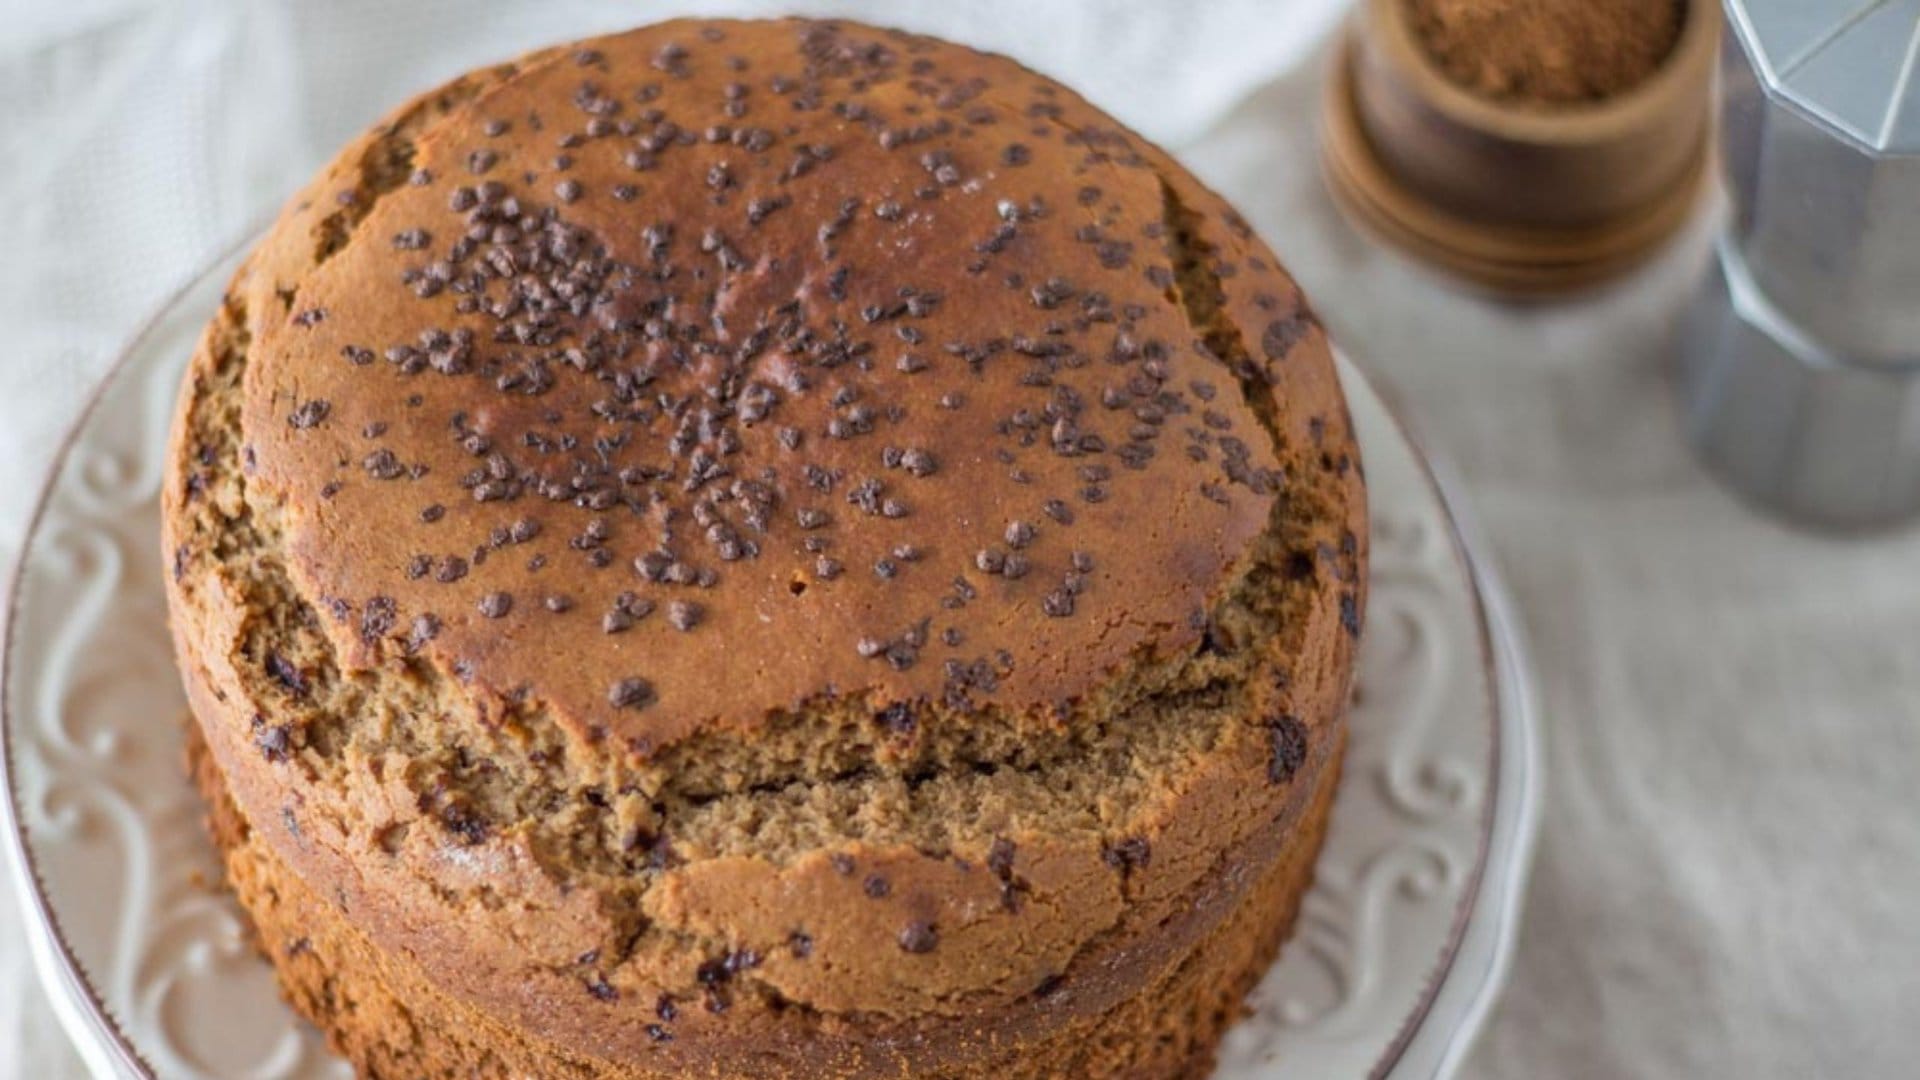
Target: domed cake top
<point x="687" y="379"/>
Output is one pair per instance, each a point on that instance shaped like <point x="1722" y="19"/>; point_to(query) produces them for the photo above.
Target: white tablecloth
<point x="1728" y="876"/>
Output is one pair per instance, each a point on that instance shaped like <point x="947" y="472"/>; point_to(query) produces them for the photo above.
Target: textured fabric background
<point x="1730" y="865"/>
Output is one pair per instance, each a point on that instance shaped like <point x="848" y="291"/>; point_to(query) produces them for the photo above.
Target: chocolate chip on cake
<point x="684" y="614"/>
<point x="309" y="414"/>
<point x="1129" y="854"/>
<point x="274" y="741"/>
<point x="919" y="937"/>
<point x="1289" y="748"/>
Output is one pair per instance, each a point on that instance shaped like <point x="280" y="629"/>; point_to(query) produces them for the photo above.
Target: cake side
<point x="383" y="1014"/>
<point x="958" y="856"/>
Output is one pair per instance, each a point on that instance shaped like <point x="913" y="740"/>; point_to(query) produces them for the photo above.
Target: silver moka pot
<point x="1801" y="355"/>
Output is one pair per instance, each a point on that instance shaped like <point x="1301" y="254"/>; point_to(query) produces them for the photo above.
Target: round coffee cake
<point x="765" y="549"/>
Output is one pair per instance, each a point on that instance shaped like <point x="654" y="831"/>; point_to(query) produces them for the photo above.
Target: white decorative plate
<point x="1401" y="947"/>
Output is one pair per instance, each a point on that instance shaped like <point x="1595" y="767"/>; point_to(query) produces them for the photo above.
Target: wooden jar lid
<point x="1524" y="201"/>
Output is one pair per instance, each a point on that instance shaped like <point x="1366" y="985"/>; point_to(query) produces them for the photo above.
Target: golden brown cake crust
<point x="747" y="548"/>
<point x="729" y="367"/>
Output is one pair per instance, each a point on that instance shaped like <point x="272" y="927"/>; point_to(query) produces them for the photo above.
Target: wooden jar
<point x="1524" y="200"/>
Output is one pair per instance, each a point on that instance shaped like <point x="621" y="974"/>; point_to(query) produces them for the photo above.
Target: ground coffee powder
<point x="1547" y="52"/>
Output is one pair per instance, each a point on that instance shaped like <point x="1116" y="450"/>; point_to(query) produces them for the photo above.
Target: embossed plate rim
<point x="96" y="1037"/>
<point x="1490" y="923"/>
<point x="1430" y="1040"/>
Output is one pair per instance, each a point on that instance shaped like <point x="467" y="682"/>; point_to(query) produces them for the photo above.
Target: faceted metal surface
<point x="1786" y="422"/>
<point x="1801" y="354"/>
<point x="1848" y="62"/>
<point x="1820" y="111"/>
